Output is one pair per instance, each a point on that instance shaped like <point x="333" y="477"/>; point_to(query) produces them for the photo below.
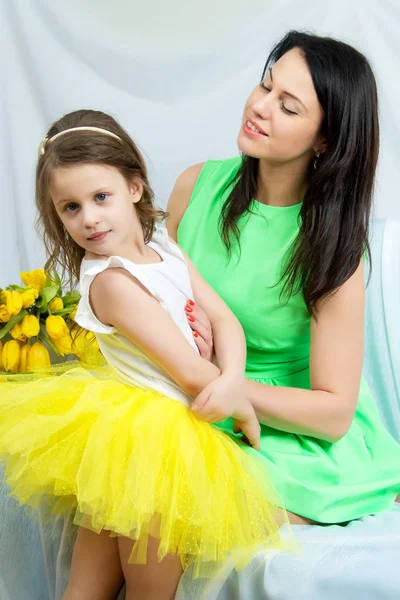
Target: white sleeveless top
<point x="169" y="283"/>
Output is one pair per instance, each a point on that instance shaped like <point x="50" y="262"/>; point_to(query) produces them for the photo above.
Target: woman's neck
<point x="282" y="184"/>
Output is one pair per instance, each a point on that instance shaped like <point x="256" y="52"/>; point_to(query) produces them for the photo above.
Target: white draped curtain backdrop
<point x="175" y="73"/>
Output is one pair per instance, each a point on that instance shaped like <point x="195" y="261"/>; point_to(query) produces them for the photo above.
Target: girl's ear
<point x="136" y="190"/>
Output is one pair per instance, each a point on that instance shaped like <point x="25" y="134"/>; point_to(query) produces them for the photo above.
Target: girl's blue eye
<point x="101" y="197"/>
<point x="71" y="207"/>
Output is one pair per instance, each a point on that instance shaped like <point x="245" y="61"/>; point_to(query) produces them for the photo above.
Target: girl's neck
<point x="133" y="249"/>
<point x="281" y="184"/>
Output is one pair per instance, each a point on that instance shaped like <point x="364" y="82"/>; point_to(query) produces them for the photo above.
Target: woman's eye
<point x="287" y="111"/>
<point x="101" y="197"/>
<point x="264" y="87"/>
<point x="71" y="207"/>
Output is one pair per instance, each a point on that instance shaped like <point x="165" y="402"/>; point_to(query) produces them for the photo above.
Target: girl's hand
<point x="224" y="397"/>
<point x="202" y="331"/>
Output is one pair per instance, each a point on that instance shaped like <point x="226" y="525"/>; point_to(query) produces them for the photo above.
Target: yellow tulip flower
<point x="35" y="278"/>
<point x="10" y="356"/>
<point x="29" y="297"/>
<point x="4" y="314"/>
<point x="1" y="359"/>
<point x="38" y="357"/>
<point x="56" y="304"/>
<point x="79" y="343"/>
<point x="24" y="358"/>
<point x="13" y="301"/>
<point x="86" y="348"/>
<point x="63" y="345"/>
<point x="18" y="333"/>
<point x="30" y="326"/>
<point x="56" y="327"/>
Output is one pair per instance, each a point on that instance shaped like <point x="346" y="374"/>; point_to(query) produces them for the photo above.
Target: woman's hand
<point x="202" y="331"/>
<point x="224" y="397"/>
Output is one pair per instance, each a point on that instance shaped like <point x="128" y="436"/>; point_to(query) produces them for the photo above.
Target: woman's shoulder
<point x="192" y="180"/>
<point x="190" y="176"/>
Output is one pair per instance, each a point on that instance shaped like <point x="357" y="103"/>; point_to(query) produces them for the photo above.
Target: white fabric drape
<point x="176" y="74"/>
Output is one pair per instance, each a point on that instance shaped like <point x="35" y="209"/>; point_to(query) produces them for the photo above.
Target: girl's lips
<point x="98" y="236"/>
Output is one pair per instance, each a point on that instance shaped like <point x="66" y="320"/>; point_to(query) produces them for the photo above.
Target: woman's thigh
<point x="299" y="520"/>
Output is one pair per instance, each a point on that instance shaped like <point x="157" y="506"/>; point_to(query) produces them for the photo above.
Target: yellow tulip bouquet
<point x="37" y="317"/>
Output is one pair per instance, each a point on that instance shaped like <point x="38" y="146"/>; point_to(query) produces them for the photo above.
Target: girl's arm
<point x="337" y="339"/>
<point x="120" y="300"/>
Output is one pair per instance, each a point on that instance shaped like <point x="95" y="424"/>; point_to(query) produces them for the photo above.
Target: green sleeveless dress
<point x="327" y="482"/>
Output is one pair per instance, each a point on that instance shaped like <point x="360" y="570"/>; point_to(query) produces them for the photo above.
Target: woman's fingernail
<point x="188" y="309"/>
<point x="191" y="319"/>
<point x="190" y="302"/>
<point x="196" y="334"/>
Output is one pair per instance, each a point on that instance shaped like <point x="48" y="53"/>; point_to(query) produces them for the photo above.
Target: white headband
<point x="46" y="140"/>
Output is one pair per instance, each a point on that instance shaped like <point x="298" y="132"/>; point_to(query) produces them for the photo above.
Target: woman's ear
<point x="321" y="147"/>
<point x="136" y="190"/>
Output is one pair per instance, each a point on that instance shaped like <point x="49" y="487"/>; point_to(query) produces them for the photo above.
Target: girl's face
<point x="96" y="206"/>
<point x="282" y="117"/>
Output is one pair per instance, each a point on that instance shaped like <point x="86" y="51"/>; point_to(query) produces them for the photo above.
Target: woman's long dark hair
<point x="335" y="212"/>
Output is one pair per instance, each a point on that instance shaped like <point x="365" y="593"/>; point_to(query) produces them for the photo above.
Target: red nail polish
<point x="188" y="309"/>
<point x="190" y="302"/>
<point x="191" y="319"/>
<point x="196" y="334"/>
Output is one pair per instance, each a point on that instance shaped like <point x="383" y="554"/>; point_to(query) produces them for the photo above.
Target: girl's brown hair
<point x="86" y="147"/>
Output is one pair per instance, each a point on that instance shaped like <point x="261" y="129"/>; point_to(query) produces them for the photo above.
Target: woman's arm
<point x="327" y="410"/>
<point x="337" y="339"/>
<point x="228" y="336"/>
<point x="226" y="396"/>
<point x="177" y="205"/>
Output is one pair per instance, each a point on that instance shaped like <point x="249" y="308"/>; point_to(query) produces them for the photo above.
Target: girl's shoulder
<point x="90" y="269"/>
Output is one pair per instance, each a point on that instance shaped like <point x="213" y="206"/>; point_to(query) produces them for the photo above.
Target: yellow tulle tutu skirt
<point x="135" y="463"/>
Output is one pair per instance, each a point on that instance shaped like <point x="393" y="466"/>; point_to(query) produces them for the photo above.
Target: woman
<point x="281" y="235"/>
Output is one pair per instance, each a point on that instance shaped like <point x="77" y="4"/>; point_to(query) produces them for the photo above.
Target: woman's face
<point x="282" y="117"/>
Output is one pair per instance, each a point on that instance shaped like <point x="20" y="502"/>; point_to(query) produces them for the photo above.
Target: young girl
<point x="125" y="450"/>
